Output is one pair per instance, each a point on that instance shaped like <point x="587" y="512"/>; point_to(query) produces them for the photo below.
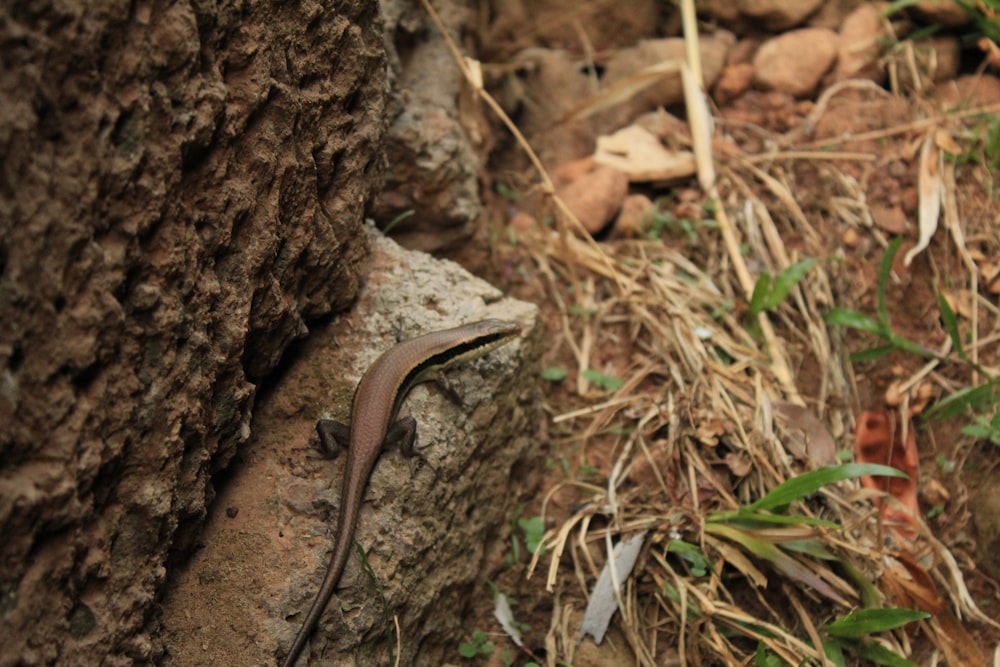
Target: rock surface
<point x="666" y="92"/>
<point x="594" y="194"/>
<point x="777" y="15"/>
<point x="431" y="194"/>
<point x="858" y="54"/>
<point x="795" y="62"/>
<point x="182" y="195"/>
<point x="433" y="531"/>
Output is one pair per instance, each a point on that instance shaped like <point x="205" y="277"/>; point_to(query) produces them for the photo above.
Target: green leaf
<point x="808" y="483"/>
<point x="691" y="553"/>
<point x="865" y="622"/>
<point x="978" y="429"/>
<point x="834" y="651"/>
<point x="787" y="279"/>
<point x="976" y="399"/>
<point x="554" y="373"/>
<point x="873" y="353"/>
<point x="813" y="547"/>
<point x="768" y="295"/>
<point x="468" y="650"/>
<point x="985" y="429"/>
<point x="601" y="380"/>
<point x="880" y="655"/>
<point x="748" y="518"/>
<point x="884" y="269"/>
<point x="764" y="658"/>
<point x="909" y="346"/>
<point x="534" y="531"/>
<point x="869" y="593"/>
<point x="951" y="325"/>
<point x="845" y="317"/>
<point x="760" y="291"/>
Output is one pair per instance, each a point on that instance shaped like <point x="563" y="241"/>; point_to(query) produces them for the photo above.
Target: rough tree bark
<point x="181" y="193"/>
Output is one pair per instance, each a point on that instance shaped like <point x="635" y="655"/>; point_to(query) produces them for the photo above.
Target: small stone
<point x="521" y="222"/>
<point x="795" y="62"/>
<point x="969" y="90"/>
<point x="944" y="13"/>
<point x="595" y="196"/>
<point x="733" y="82"/>
<point x="858" y="54"/>
<point x="778" y="15"/>
<point x="633" y="217"/>
<point x="889" y="218"/>
<point x="851" y="238"/>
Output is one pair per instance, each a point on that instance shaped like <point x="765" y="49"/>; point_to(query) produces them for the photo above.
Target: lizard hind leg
<point x="404" y="434"/>
<point x="333" y="436"/>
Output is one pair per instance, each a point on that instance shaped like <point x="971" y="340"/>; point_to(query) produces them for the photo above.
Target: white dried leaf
<point x="930" y="188"/>
<point x="504" y="615"/>
<point x="603" y="600"/>
<point x="638" y="153"/>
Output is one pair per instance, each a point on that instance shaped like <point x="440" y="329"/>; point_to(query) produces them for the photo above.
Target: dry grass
<point x="696" y="425"/>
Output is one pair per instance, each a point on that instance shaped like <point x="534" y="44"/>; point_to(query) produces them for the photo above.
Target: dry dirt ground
<point x="844" y="208"/>
<point x="664" y="390"/>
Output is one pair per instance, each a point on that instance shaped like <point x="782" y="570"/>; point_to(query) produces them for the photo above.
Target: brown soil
<point x="851" y="205"/>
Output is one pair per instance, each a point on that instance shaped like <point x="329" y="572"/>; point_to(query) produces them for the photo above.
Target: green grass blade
<point x="864" y="622"/>
<point x="602" y="380"/>
<point x="976" y="399"/>
<point x="834" y="651"/>
<point x="812" y="547"/>
<point x="787" y="279"/>
<point x="866" y="589"/>
<point x="873" y="353"/>
<point x="845" y="317"/>
<point x="884" y="269"/>
<point x="951" y="326"/>
<point x="808" y="483"/>
<point x="752" y="519"/>
<point x="761" y="289"/>
<point x="880" y="655"/>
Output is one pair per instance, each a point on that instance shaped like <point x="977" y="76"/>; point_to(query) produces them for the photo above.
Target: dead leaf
<point x="603" y="601"/>
<point x="504" y="616"/>
<point x="709" y="431"/>
<point x="820" y="446"/>
<point x="878" y="439"/>
<point x="931" y="189"/>
<point x="908" y="584"/>
<point x="935" y="493"/>
<point x="991" y="49"/>
<point x="738" y="464"/>
<point x="944" y="141"/>
<point x="638" y="153"/>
